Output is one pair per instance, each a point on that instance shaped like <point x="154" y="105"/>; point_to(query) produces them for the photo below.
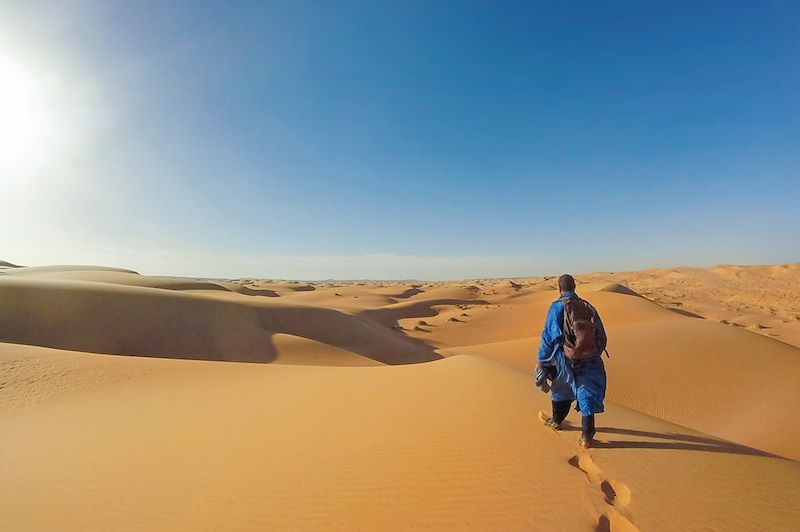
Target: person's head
<point x="566" y="283"/>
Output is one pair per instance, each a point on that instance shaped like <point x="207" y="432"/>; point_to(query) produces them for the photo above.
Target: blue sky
<point x="408" y="139"/>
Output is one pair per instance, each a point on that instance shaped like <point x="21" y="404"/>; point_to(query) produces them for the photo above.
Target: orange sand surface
<point x="283" y="405"/>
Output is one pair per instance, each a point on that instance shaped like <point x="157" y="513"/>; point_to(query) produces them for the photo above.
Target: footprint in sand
<point x="617" y="493"/>
<point x="544" y="418"/>
<point x="584" y="462"/>
<point x="613" y="521"/>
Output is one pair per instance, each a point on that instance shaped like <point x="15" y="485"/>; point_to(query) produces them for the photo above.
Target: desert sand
<point x="135" y="402"/>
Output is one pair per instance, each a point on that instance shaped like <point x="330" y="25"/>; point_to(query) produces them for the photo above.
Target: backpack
<point x="580" y="331"/>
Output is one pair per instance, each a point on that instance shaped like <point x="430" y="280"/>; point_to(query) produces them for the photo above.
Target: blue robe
<point x="585" y="382"/>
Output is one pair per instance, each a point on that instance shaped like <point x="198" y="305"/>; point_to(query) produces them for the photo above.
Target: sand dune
<point x="717" y="379"/>
<point x="392" y="314"/>
<point x="135" y="320"/>
<point x="130" y="278"/>
<point x="64" y="269"/>
<point x="212" y="445"/>
<point x="735" y="295"/>
<point x="339" y="425"/>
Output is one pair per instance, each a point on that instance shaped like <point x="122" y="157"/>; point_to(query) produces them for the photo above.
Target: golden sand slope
<point x="690" y="371"/>
<point x="306" y="442"/>
<point x="717" y="379"/>
<point x="205" y="445"/>
<point x="762" y="299"/>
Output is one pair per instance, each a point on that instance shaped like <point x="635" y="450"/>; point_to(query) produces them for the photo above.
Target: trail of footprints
<point x="617" y="494"/>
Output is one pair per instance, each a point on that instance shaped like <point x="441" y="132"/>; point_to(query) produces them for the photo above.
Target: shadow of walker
<point x="680" y="442"/>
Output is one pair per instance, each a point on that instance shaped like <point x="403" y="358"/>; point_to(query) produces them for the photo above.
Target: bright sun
<point x="23" y="119"/>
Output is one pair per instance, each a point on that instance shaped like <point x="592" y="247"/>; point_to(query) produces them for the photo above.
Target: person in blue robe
<point x="582" y="380"/>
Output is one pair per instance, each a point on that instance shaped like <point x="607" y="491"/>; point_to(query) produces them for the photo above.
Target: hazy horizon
<point x="410" y="140"/>
<point x="292" y="265"/>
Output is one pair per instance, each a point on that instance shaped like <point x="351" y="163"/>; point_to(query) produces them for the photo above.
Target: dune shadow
<point x="686" y="313"/>
<point x="347" y="332"/>
<point x="414" y="290"/>
<point x="263" y="292"/>
<point x="677" y="442"/>
<point x="390" y="314"/>
<point x="303" y="288"/>
<point x="93" y="318"/>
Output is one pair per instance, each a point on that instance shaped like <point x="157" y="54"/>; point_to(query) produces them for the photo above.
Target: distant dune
<point x="390" y="405"/>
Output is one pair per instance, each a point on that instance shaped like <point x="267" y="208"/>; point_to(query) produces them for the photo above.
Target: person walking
<point x="569" y="361"/>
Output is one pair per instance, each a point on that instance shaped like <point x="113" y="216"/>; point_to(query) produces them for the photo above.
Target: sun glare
<point x="23" y="119"/>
